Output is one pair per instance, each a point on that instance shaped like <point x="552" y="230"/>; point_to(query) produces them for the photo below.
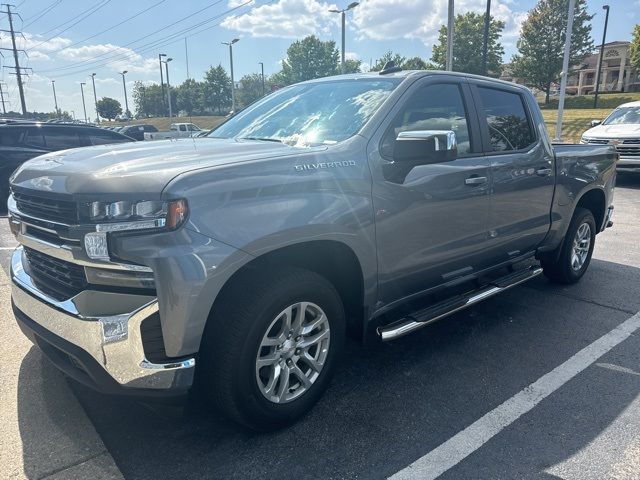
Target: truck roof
<point x="630" y="104"/>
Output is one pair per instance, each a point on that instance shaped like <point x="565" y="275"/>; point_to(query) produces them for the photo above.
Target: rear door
<point x="431" y="218"/>
<point x="521" y="168"/>
<point x="62" y="138"/>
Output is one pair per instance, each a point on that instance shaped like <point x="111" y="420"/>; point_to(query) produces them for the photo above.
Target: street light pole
<point x="565" y="68"/>
<point x="124" y="86"/>
<point x="450" y="25"/>
<point x="84" y="107"/>
<point x="166" y="66"/>
<point x="485" y="44"/>
<point x="343" y="16"/>
<point x="604" y="37"/>
<point x="160" y="55"/>
<point x="95" y="97"/>
<point x="55" y="99"/>
<point x="233" y="85"/>
<point x="262" y="74"/>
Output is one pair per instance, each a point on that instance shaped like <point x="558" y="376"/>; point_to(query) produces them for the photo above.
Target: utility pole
<point x="565" y="68"/>
<point x="186" y="56"/>
<point x="55" y="99"/>
<point x="166" y="65"/>
<point x="449" y="61"/>
<point x="95" y="97"/>
<point x="84" y="107"/>
<point x="2" y="87"/>
<point x="18" y="71"/>
<point x="262" y="74"/>
<point x="604" y="39"/>
<point x="485" y="44"/>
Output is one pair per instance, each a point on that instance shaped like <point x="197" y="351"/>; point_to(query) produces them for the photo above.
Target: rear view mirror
<point x="425" y="146"/>
<point x="595" y="123"/>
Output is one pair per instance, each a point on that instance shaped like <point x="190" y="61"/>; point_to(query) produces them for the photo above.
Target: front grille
<point x="57" y="278"/>
<point x="628" y="151"/>
<point x="55" y="210"/>
<point x="597" y="141"/>
<point x="632" y="141"/>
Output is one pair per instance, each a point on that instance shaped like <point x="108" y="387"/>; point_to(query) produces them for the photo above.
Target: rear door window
<point x="34" y="138"/>
<point x="100" y="137"/>
<point x="506" y="119"/>
<point x="61" y="138"/>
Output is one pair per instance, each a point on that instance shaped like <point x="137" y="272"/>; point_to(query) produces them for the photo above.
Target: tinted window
<point x="33" y="138"/>
<point x="11" y="137"/>
<point x="60" y="139"/>
<point x="102" y="138"/>
<point x="183" y="128"/>
<point x="507" y="121"/>
<point x="150" y="128"/>
<point x="434" y="107"/>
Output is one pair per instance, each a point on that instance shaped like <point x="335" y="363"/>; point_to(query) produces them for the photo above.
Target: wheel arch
<point x="593" y="200"/>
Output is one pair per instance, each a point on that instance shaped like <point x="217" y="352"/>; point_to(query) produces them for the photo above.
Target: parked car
<point x="137" y="131"/>
<point x="20" y="141"/>
<point x="176" y="130"/>
<point x="622" y="130"/>
<point x="368" y="204"/>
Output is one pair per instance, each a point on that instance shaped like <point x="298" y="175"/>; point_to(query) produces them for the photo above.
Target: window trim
<point x="467" y="104"/>
<point x="483" y="121"/>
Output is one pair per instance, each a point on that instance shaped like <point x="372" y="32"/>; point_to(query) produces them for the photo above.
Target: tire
<point x="253" y="312"/>
<point x="566" y="269"/>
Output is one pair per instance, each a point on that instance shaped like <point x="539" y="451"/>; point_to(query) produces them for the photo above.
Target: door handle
<point x="543" y="172"/>
<point x="475" y="181"/>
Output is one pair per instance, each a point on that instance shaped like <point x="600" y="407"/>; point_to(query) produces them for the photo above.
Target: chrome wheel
<point x="292" y="352"/>
<point x="580" y="249"/>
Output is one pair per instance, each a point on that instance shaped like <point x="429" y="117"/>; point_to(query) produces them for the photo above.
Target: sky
<point x="67" y="40"/>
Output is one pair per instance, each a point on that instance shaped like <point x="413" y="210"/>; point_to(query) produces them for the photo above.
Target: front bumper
<point x="103" y="350"/>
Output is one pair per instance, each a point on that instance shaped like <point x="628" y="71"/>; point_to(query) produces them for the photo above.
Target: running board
<point x="445" y="308"/>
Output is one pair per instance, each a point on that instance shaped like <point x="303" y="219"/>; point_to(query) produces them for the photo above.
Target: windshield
<point x="623" y="115"/>
<point x="310" y="114"/>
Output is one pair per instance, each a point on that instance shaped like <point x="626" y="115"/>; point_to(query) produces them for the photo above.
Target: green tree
<point x="541" y="43"/>
<point x="250" y="89"/>
<point x="310" y="58"/>
<point x="217" y="89"/>
<point x="413" y="63"/>
<point x="149" y="100"/>
<point x="109" y="108"/>
<point x="468" y="41"/>
<point x="634" y="48"/>
<point x="189" y="96"/>
<point x="352" y="66"/>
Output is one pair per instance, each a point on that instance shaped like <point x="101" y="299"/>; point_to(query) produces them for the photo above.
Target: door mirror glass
<point x="425" y="146"/>
<point x="595" y="123"/>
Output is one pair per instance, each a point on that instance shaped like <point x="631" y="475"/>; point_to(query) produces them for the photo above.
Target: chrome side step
<point x="443" y="309"/>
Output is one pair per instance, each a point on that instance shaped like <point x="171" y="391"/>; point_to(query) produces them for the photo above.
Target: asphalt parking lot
<point x="455" y="392"/>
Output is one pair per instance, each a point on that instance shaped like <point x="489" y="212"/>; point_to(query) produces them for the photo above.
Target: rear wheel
<point x="271" y="346"/>
<point x="574" y="256"/>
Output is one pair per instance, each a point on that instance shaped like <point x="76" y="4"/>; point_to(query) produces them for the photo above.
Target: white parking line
<point x="464" y="443"/>
<point x="7" y="248"/>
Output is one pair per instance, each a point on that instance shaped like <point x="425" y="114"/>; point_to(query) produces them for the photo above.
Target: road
<point x="540" y="382"/>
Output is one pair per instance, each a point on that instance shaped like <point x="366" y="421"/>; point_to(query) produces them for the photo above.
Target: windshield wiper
<point x="263" y="139"/>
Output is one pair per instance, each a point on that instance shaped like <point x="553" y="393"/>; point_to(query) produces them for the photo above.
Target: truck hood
<point x="138" y="168"/>
<point x="630" y="130"/>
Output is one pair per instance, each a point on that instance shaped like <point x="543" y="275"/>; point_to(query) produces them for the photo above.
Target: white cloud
<point x="351" y="56"/>
<point x="286" y="19"/>
<point x="115" y="57"/>
<point x="373" y="19"/>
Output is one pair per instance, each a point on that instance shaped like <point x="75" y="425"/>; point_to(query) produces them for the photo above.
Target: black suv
<point x="20" y="141"/>
<point x="137" y="131"/>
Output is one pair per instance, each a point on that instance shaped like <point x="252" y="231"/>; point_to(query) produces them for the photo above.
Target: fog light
<point x="95" y="244"/>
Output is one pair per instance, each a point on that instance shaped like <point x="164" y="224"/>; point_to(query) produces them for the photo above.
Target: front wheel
<point x="271" y="346"/>
<point x="575" y="251"/>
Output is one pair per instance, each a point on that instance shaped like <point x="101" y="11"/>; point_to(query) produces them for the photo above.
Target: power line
<point x="162" y="29"/>
<point x="83" y="17"/>
<point x="110" y="28"/>
<point x="34" y="18"/>
<point x="173" y="38"/>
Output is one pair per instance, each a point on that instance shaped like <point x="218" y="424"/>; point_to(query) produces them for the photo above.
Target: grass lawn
<point x="162" y="123"/>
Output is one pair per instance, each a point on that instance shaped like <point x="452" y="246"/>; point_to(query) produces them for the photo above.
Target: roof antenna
<point x="390" y="67"/>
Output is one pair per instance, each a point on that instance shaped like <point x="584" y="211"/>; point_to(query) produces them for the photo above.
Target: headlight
<point x="128" y="216"/>
<point x="140" y="214"/>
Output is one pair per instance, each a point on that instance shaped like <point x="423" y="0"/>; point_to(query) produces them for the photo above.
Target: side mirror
<point x="595" y="123"/>
<point x="425" y="146"/>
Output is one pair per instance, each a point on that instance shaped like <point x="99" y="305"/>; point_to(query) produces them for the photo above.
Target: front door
<point x="431" y="218"/>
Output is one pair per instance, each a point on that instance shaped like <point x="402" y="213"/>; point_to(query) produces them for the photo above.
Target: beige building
<point x="616" y="75"/>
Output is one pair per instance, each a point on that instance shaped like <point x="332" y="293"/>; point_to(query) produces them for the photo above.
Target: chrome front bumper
<point x="104" y="325"/>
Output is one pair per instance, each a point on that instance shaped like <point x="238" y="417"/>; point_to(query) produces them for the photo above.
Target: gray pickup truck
<point x="367" y="205"/>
